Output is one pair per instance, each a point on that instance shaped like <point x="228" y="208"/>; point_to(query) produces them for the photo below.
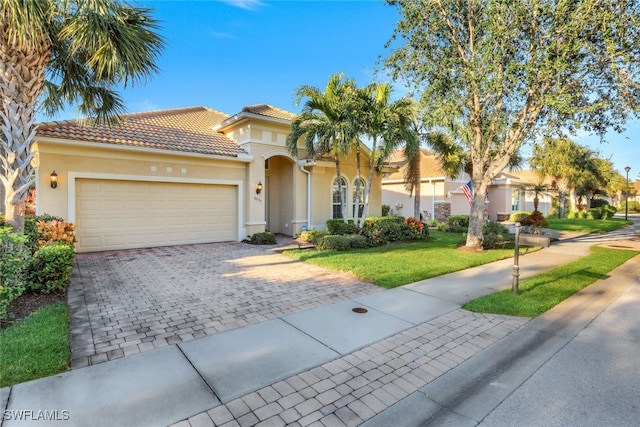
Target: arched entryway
<point x="279" y="195"/>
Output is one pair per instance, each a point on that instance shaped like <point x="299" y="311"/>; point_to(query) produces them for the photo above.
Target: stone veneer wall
<point x="442" y="211"/>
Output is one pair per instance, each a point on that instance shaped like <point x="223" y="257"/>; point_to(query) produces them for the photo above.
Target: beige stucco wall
<point x="92" y="160"/>
<point x="396" y="196"/>
<point x="323" y="175"/>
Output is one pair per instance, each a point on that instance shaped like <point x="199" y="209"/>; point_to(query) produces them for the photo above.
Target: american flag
<point x="467" y="189"/>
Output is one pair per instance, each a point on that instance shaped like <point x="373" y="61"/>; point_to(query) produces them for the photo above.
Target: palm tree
<point x="388" y="125"/>
<point x="564" y="161"/>
<point x="59" y="51"/>
<point x="327" y="124"/>
<point x="537" y="189"/>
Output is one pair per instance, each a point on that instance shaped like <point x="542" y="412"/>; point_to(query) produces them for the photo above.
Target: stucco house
<point x="441" y="196"/>
<point x="190" y="175"/>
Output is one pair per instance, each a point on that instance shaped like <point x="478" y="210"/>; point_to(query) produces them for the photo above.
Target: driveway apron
<point x="132" y="301"/>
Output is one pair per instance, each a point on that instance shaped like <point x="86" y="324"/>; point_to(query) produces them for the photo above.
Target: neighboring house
<point x="441" y="196"/>
<point x="183" y="176"/>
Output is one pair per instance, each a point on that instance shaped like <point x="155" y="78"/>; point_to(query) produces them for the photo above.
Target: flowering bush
<point x="56" y="231"/>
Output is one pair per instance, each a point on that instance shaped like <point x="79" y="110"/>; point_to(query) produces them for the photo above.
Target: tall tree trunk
<point x="22" y="77"/>
<point x="476" y="216"/>
<point x="372" y="166"/>
<point x="573" y="200"/>
<point x="415" y="185"/>
<point x="358" y="197"/>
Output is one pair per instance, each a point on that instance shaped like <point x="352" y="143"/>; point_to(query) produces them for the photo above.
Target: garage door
<point x="113" y="214"/>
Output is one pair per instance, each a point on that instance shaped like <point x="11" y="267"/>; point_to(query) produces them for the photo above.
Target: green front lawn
<point x="36" y="347"/>
<point x="399" y="264"/>
<point x="595" y="226"/>
<point x="540" y="293"/>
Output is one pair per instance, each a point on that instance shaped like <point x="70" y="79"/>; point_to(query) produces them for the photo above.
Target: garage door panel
<point x="113" y="214"/>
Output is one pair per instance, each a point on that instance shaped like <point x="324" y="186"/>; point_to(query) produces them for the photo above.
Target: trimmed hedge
<point x="50" y="268"/>
<point x="333" y="242"/>
<point x="338" y="226"/>
<point x="264" y="238"/>
<point x="518" y="216"/>
<point x="376" y="231"/>
<point x="14" y="256"/>
<point x="458" y="223"/>
<point x="312" y="236"/>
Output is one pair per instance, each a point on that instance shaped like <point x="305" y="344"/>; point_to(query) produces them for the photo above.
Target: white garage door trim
<point x="241" y="232"/>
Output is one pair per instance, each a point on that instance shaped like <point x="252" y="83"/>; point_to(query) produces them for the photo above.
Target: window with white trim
<point x="335" y="197"/>
<point x="515" y="200"/>
<point x="359" y="185"/>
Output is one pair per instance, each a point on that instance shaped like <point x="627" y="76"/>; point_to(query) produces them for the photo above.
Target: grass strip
<point x="402" y="263"/>
<point x="588" y="225"/>
<point x="540" y="293"/>
<point x="36" y="347"/>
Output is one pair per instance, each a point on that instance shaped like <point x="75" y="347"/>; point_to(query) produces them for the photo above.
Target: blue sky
<point x="229" y="54"/>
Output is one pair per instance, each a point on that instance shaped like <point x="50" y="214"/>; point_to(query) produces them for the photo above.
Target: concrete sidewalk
<point x="328" y="366"/>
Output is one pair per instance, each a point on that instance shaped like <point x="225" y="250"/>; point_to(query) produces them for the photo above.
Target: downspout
<point x="433" y="199"/>
<point x="308" y="190"/>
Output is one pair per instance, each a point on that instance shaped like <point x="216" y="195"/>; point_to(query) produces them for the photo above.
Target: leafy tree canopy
<point x="496" y="74"/>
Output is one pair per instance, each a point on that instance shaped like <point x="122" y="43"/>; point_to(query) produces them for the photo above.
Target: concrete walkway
<point x="403" y="357"/>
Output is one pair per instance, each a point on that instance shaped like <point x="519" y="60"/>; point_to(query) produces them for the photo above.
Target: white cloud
<point x="245" y="4"/>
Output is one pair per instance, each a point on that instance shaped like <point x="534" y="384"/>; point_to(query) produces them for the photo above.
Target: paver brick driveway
<point x="131" y="301"/>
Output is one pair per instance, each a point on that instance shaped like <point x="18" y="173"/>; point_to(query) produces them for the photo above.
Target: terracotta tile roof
<point x="185" y="129"/>
<point x="429" y="165"/>
<point x="269" y="111"/>
<point x="530" y="176"/>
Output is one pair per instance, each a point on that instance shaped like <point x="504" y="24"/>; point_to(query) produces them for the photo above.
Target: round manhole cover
<point x="359" y="310"/>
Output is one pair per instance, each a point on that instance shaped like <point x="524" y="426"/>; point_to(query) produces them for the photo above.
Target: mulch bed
<point x="27" y="304"/>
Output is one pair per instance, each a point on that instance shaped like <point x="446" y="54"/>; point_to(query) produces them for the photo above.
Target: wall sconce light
<point x="259" y="187"/>
<point x="53" y="180"/>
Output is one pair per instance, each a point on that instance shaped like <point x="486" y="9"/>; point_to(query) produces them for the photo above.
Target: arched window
<point x="360" y="187"/>
<point x="335" y="198"/>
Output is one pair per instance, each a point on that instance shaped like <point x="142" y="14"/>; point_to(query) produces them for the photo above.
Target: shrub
<point x="14" y="256"/>
<point x="338" y="226"/>
<point x="56" y="231"/>
<point x="458" y="223"/>
<point x="264" y="238"/>
<point x="50" y="268"/>
<point x="385" y="210"/>
<point x="608" y="211"/>
<point x="442" y="226"/>
<point x="54" y="226"/>
<point x="594" y="213"/>
<point x="312" y="236"/>
<point x="518" y="216"/>
<point x="634" y="206"/>
<point x="333" y="242"/>
<point x="384" y="229"/>
<point x="536" y="219"/>
<point x="2" y="220"/>
<point x="599" y="203"/>
<point x="495" y="236"/>
<point x="358" y="241"/>
<point x="417" y="230"/>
